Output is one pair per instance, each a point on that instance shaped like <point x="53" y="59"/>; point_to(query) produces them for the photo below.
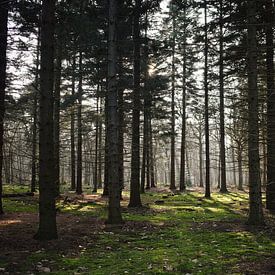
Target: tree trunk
<point x="201" y="159"/>
<point x="79" y="131"/>
<point x="56" y="134"/>
<point x="96" y="142"/>
<point x="135" y="200"/>
<point x="47" y="213"/>
<point x="223" y="187"/>
<point x="173" y="132"/>
<point x="183" y="119"/>
<point x="255" y="196"/>
<point x="145" y="151"/>
<point x="240" y="168"/>
<point x="151" y="158"/>
<point x="270" y="187"/>
<point x="114" y="212"/>
<point x="106" y="151"/>
<point x="73" y="185"/>
<point x="206" y="114"/>
<point x="233" y="165"/>
<point x="99" y="180"/>
<point x="3" y="63"/>
<point x="35" y="106"/>
<point x="121" y="137"/>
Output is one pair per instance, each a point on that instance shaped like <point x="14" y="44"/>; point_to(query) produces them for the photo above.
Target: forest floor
<point x="171" y="234"/>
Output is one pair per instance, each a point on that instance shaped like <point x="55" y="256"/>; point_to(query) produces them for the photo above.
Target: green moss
<point x="172" y="243"/>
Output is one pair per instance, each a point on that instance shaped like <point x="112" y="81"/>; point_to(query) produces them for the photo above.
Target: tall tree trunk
<point x="3" y="63"/>
<point x="151" y="154"/>
<point x="206" y="114"/>
<point x="255" y="196"/>
<point x="106" y="151"/>
<point x="114" y="212"/>
<point x="79" y="130"/>
<point x="223" y="187"/>
<point x="99" y="180"/>
<point x="173" y="131"/>
<point x="201" y="158"/>
<point x="73" y="185"/>
<point x="183" y="119"/>
<point x="240" y="168"/>
<point x="145" y="150"/>
<point x="234" y="167"/>
<point x="270" y="187"/>
<point x="47" y="213"/>
<point x="56" y="134"/>
<point x="96" y="142"/>
<point x="121" y="137"/>
<point x="135" y="200"/>
<point x="35" y="118"/>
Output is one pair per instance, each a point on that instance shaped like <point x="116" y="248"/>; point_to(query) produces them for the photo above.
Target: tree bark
<point x="255" y="196"/>
<point x="47" y="213"/>
<point x="240" y="168"/>
<point x="35" y="117"/>
<point x="73" y="185"/>
<point x="96" y="143"/>
<point x="270" y="187"/>
<point x="223" y="187"/>
<point x="173" y="132"/>
<point x="114" y="212"/>
<point x="3" y="64"/>
<point x="206" y="114"/>
<point x="135" y="200"/>
<point x="183" y="118"/>
<point x="79" y="130"/>
<point x="58" y="67"/>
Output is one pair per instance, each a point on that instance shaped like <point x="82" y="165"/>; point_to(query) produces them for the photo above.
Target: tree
<point x="269" y="30"/>
<point x="173" y="115"/>
<point x="135" y="200"/>
<point x="223" y="188"/>
<point x="47" y="190"/>
<point x="255" y="199"/>
<point x="3" y="63"/>
<point x="79" y="128"/>
<point x="114" y="212"/>
<point x="206" y="106"/>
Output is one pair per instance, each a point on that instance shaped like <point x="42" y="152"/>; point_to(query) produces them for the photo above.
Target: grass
<point x="173" y="238"/>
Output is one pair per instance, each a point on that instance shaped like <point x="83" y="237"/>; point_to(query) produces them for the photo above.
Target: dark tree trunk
<point x="47" y="191"/>
<point x="57" y="116"/>
<point x="73" y="185"/>
<point x="255" y="196"/>
<point x="121" y="138"/>
<point x="96" y="143"/>
<point x="240" y="168"/>
<point x="146" y="106"/>
<point x="173" y="131"/>
<point x="135" y="200"/>
<point x="3" y="63"/>
<point x="114" y="213"/>
<point x="206" y="114"/>
<point x="35" y="117"/>
<point x="79" y="131"/>
<point x="223" y="187"/>
<point x="151" y="154"/>
<point x="201" y="159"/>
<point x="99" y="180"/>
<point x="234" y="167"/>
<point x="270" y="187"/>
<point x="183" y="119"/>
<point x="106" y="151"/>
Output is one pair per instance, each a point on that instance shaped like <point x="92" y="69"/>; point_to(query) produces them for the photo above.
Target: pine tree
<point x="3" y="62"/>
<point x="47" y="190"/>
